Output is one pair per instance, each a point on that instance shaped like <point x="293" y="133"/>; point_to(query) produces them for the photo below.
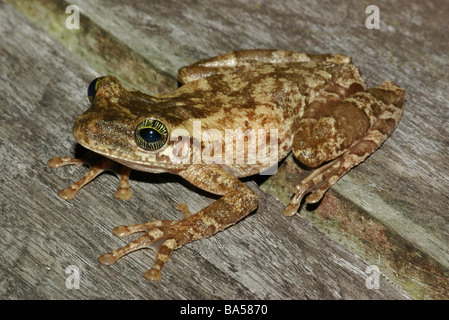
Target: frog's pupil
<point x="150" y="135"/>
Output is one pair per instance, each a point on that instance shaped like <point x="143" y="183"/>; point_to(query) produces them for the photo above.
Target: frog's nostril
<point x="92" y="128"/>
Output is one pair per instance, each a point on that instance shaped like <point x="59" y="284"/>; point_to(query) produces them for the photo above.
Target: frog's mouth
<point x="150" y="164"/>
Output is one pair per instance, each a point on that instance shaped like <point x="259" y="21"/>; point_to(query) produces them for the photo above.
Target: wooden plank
<point x="264" y="256"/>
<point x="416" y="153"/>
<point x="409" y="48"/>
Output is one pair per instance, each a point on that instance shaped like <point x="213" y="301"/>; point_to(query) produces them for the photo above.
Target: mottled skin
<point x="318" y="104"/>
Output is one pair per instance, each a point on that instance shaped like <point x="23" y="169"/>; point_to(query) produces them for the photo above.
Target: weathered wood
<point x="42" y="235"/>
<point x="43" y="92"/>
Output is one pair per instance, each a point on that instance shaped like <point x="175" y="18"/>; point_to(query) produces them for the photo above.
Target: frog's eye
<point x="151" y="134"/>
<point x="93" y="87"/>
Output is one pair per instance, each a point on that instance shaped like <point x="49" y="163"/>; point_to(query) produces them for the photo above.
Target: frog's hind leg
<point x="339" y="137"/>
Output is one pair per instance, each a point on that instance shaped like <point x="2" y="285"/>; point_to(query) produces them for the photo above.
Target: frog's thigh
<point x="327" y="138"/>
<point x="208" y="67"/>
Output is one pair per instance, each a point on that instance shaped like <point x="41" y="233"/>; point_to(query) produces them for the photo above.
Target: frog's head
<point x="129" y="127"/>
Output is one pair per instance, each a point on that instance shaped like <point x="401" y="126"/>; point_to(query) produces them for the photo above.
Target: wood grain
<point x="43" y="83"/>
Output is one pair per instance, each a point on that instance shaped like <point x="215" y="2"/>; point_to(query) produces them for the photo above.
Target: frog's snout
<point x="83" y="128"/>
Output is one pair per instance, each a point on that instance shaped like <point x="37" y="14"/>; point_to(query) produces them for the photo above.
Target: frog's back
<point x="276" y="90"/>
<point x="255" y="96"/>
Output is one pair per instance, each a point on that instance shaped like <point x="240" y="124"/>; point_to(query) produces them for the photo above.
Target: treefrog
<point x="316" y="106"/>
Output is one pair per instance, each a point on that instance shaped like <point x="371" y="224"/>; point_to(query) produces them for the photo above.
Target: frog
<point x="315" y="106"/>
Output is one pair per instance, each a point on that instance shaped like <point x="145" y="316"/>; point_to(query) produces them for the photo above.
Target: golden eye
<point x="151" y="134"/>
<point x="93" y="87"/>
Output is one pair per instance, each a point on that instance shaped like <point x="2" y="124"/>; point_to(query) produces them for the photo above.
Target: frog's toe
<point x="123" y="192"/>
<point x="58" y="162"/>
<point x="291" y="210"/>
<point x="317" y="195"/>
<point x="68" y="193"/>
<point x="153" y="275"/>
<point x="107" y="259"/>
<point x="300" y="191"/>
<point x="124" y="231"/>
<point x="184" y="209"/>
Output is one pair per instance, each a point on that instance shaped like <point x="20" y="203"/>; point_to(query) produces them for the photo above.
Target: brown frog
<point x="234" y="115"/>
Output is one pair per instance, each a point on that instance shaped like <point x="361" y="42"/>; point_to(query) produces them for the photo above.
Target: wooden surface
<point x="401" y="188"/>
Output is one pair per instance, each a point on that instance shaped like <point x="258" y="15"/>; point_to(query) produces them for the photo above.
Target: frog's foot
<point x="97" y="165"/>
<point x="321" y="179"/>
<point x="163" y="236"/>
<point x="316" y="185"/>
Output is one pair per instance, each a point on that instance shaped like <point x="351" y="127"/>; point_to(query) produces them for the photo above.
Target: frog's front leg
<point x="346" y="133"/>
<point x="97" y="165"/>
<point x="165" y="236"/>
